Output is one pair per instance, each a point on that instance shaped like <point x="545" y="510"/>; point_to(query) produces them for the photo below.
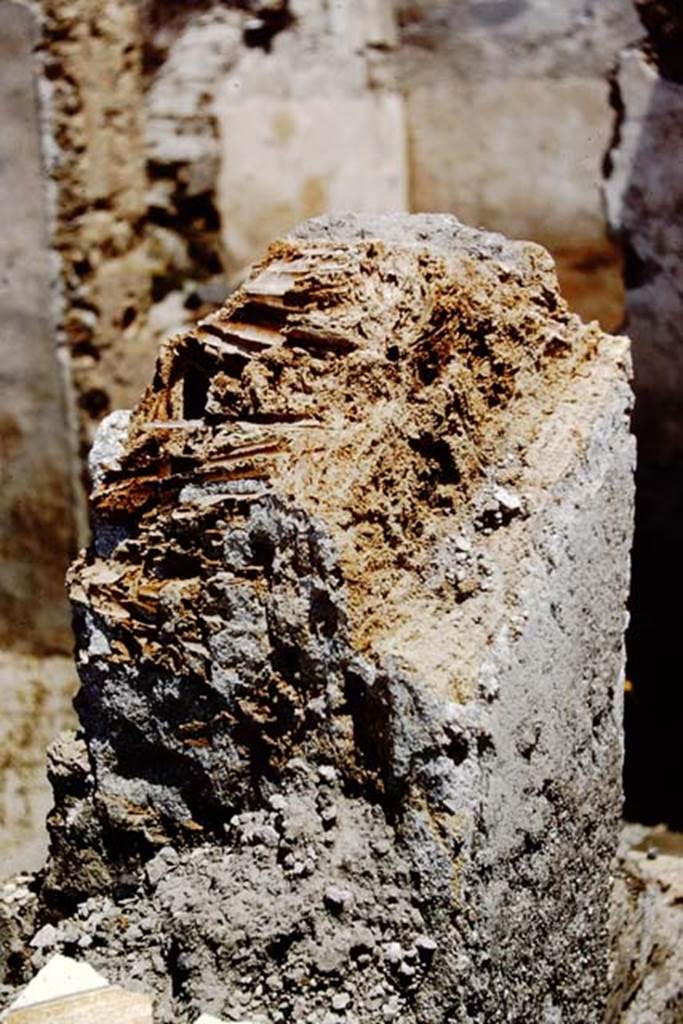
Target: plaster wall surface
<point x="36" y="505"/>
<point x="36" y="707"/>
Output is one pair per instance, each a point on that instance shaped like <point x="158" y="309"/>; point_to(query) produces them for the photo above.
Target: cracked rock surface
<point x="350" y="645"/>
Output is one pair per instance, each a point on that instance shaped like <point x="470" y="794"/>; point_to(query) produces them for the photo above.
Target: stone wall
<point x="509" y="119"/>
<point x="498" y="112"/>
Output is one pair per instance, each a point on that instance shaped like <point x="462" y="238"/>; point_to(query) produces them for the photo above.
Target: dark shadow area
<point x="652" y="233"/>
<point x="653" y="771"/>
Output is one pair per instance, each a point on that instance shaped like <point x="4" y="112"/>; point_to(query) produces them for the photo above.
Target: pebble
<point x="159" y="866"/>
<point x="338" y="898"/>
<point x="426" y="946"/>
<point x="390" y="1010"/>
<point x="393" y="952"/>
<point x="47" y="936"/>
<point x="507" y="500"/>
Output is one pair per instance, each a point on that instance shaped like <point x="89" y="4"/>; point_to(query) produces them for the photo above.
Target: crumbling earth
<point x="350" y="645"/>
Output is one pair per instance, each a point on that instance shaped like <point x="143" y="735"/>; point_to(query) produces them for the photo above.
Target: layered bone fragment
<point x="350" y="644"/>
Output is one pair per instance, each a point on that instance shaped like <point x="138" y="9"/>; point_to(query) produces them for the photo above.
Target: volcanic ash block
<point x="350" y="641"/>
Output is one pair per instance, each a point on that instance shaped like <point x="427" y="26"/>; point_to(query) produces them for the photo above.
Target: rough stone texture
<point x="644" y="195"/>
<point x="350" y="643"/>
<point x="36" y="707"/>
<point x="35" y="495"/>
<point x="153" y="200"/>
<point x="647" y="928"/>
<point x="18" y="913"/>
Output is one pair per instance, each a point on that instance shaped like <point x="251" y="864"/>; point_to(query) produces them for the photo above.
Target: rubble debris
<point x="316" y="780"/>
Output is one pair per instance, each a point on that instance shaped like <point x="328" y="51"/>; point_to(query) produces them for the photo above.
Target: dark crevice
<point x="195" y="391"/>
<point x="663" y="22"/>
<point x="260" y="31"/>
<point x="437" y="454"/>
<point x="638" y="270"/>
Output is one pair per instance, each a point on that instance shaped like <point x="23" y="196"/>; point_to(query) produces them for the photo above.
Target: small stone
<point x="159" y="866"/>
<point x="329" y="815"/>
<point x="340" y="1001"/>
<point x="337" y="898"/>
<point x="390" y="1010"/>
<point x="507" y="500"/>
<point x="267" y="835"/>
<point x="426" y="947"/>
<point x="393" y="953"/>
<point x="47" y="936"/>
